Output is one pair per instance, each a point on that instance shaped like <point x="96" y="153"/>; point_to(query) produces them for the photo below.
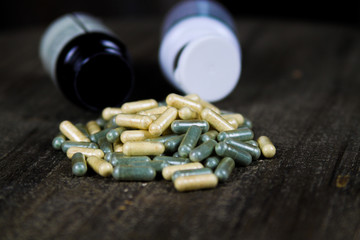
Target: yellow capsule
<point x="154" y="111"/>
<point x="154" y="116"/>
<point x="179" y="102"/>
<point x="168" y="171"/>
<point x="72" y="132"/>
<point x="163" y="122"/>
<point x="142" y="148"/>
<point x="137" y="106"/>
<point x="133" y="120"/>
<point x="118" y="146"/>
<point x="216" y="120"/>
<point x="233" y="122"/>
<point x="93" y="127"/>
<point x="186" y="113"/>
<point x="196" y="182"/>
<point x="203" y="103"/>
<point x="266" y="146"/>
<point x="88" y="152"/>
<point x="109" y="112"/>
<point x="135" y="135"/>
<point x="239" y="118"/>
<point x="100" y="166"/>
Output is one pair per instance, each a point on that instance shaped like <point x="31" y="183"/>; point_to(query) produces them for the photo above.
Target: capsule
<point x="172" y="144"/>
<point x="212" y="162"/>
<point x="172" y="160"/>
<point x="82" y="128"/>
<point x="133" y="120"/>
<point x="168" y="171"/>
<point x="161" y="139"/>
<point x="88" y="152"/>
<point x="158" y="165"/>
<point x="267" y="147"/>
<point x="78" y="163"/>
<point x="110" y="112"/>
<point x="163" y="122"/>
<point x="202" y="151"/>
<point x="95" y="137"/>
<point x="240" y="157"/>
<point x="224" y="169"/>
<point x="68" y="144"/>
<point x="114" y="134"/>
<point x="242" y="134"/>
<point x="216" y="120"/>
<point x="254" y="151"/>
<point x="118" y="146"/>
<point x="190" y="172"/>
<point x="179" y="102"/>
<point x="143" y="148"/>
<point x="237" y="116"/>
<point x="135" y="135"/>
<point x="189" y="141"/>
<point x="248" y="123"/>
<point x="58" y="141"/>
<point x="233" y="122"/>
<point x="203" y="103"/>
<point x="186" y="113"/>
<point x="72" y="132"/>
<point x="181" y="126"/>
<point x="111" y="123"/>
<point x="92" y="127"/>
<point x="117" y="159"/>
<point x="104" y="145"/>
<point x="154" y="111"/>
<point x="100" y="166"/>
<point x="212" y="134"/>
<point x="252" y="142"/>
<point x="196" y="182"/>
<point x="101" y="122"/>
<point x="137" y="106"/>
<point x="132" y="173"/>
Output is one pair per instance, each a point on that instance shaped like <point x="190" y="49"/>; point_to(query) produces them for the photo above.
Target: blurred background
<point x="20" y="13"/>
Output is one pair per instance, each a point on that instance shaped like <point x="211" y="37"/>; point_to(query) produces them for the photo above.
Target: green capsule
<point x="161" y="139"/>
<point x="212" y="134"/>
<point x="212" y="162"/>
<point x="240" y="157"/>
<point x="58" y="140"/>
<point x="189" y="141"/>
<point x="255" y="152"/>
<point x="247" y="123"/>
<point x="181" y="126"/>
<point x="202" y="151"/>
<point x="132" y="173"/>
<point x="104" y="145"/>
<point x="172" y="160"/>
<point x="95" y="137"/>
<point x="79" y="166"/>
<point x="114" y="134"/>
<point x="176" y="154"/>
<point x="252" y="142"/>
<point x="191" y="172"/>
<point x="83" y="129"/>
<point x="117" y="159"/>
<point x="172" y="144"/>
<point x="242" y="134"/>
<point x="101" y="122"/>
<point x="68" y="144"/>
<point x="158" y="165"/>
<point x="224" y="169"/>
<point x="111" y="123"/>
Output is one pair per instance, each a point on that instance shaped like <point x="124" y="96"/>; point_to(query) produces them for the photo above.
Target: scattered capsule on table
<point x="224" y="169"/>
<point x="242" y="134"/>
<point x="189" y="141"/>
<point x="135" y="135"/>
<point x="78" y="163"/>
<point x="72" y="132"/>
<point x="96" y="136"/>
<point x="92" y="127"/>
<point x="267" y="147"/>
<point x="240" y="157"/>
<point x="114" y="134"/>
<point x="88" y="152"/>
<point x="58" y="141"/>
<point x="202" y="151"/>
<point x="212" y="134"/>
<point x="143" y="148"/>
<point x="181" y="126"/>
<point x="179" y="102"/>
<point x="212" y="162"/>
<point x="216" y="120"/>
<point x="196" y="182"/>
<point x="117" y="159"/>
<point x="174" y="160"/>
<point x="134" y="173"/>
<point x="104" y="145"/>
<point x="100" y="166"/>
<point x="68" y="144"/>
<point x="133" y="120"/>
<point x="137" y="106"/>
<point x="157" y="127"/>
<point x="172" y="144"/>
<point x="158" y="165"/>
<point x="110" y="112"/>
<point x="254" y="151"/>
<point x="168" y="171"/>
<point x="190" y="172"/>
<point x="154" y="111"/>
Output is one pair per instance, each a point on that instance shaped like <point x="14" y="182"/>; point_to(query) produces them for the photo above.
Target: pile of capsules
<point x="187" y="140"/>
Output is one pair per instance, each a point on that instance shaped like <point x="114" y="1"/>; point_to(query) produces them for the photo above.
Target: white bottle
<point x="199" y="51"/>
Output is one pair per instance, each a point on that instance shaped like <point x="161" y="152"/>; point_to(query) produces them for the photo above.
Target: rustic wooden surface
<point x="300" y="86"/>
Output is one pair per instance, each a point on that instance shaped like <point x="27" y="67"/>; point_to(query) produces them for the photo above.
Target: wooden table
<point x="300" y="85"/>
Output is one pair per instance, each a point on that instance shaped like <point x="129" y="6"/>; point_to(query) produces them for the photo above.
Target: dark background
<point x="19" y="13"/>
